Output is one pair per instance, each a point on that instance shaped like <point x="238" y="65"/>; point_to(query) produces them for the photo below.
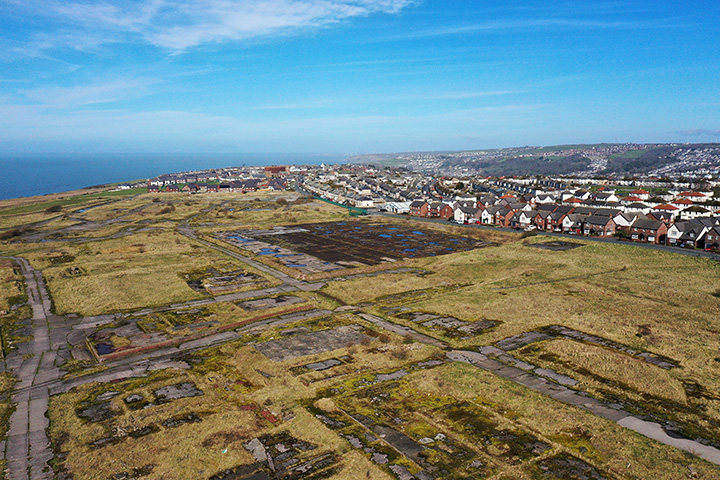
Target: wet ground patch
<point x="312" y="343"/>
<point x="314" y="248"/>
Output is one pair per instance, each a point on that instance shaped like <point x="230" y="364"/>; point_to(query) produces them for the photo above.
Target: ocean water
<point x="26" y="176"/>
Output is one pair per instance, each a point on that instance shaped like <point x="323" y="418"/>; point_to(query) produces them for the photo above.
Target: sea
<point x="30" y="175"/>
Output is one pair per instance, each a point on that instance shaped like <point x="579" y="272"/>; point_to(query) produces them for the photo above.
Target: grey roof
<point x="647" y="224"/>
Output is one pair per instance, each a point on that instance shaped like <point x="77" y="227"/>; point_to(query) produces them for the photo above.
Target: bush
<point x="53" y="208"/>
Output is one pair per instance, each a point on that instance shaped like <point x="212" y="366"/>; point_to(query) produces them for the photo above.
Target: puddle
<point x="104" y="348"/>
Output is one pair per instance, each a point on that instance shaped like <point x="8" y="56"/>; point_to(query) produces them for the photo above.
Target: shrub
<point x="53" y="208"/>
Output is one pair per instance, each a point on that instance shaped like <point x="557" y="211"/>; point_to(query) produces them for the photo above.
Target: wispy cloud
<point x="78" y="96"/>
<point x="493" y="26"/>
<point x="469" y="95"/>
<point x="178" y="25"/>
<point x="701" y="132"/>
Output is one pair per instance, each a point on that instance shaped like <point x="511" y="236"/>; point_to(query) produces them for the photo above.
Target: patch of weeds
<point x="60" y="259"/>
<point x="578" y="440"/>
<point x="566" y="467"/>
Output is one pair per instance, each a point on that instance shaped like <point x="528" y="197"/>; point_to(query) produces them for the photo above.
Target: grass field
<point x="116" y="273"/>
<point x="604" y="289"/>
<point x="69" y="200"/>
<point x="653" y="301"/>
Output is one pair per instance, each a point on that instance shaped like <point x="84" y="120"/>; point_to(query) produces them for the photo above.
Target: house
<point x="488" y="215"/>
<point x="213" y="187"/>
<point x="641" y="194"/>
<point x="364" y="202"/>
<point x="418" y="208"/>
<point x="503" y="216"/>
<point x="606" y="197"/>
<point x="694" y="211"/>
<point x="649" y="231"/>
<point x="554" y="221"/>
<point x="526" y="218"/>
<point x="712" y="239"/>
<point x="153" y="188"/>
<point x="693" y="196"/>
<point x="440" y="210"/>
<point x="686" y="233"/>
<point x="172" y="188"/>
<point x="665" y="217"/>
<point x="190" y="188"/>
<point x="599" y="225"/>
<point x="573" y="223"/>
<point x="467" y="215"/>
<point x="624" y="220"/>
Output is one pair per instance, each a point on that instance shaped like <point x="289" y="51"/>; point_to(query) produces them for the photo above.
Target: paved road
<point x="33" y="363"/>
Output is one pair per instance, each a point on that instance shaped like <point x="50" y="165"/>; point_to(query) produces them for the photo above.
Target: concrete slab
<point x="656" y="432"/>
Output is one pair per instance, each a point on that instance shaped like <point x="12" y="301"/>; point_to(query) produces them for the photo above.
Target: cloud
<point x="178" y="25"/>
<point x="701" y="133"/>
<point x="83" y="95"/>
<point x="503" y="25"/>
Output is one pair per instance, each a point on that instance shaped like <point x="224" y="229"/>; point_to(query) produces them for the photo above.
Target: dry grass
<point x="117" y="273"/>
<point x="635" y="373"/>
<point x="198" y="450"/>
<point x="8" y="284"/>
<point x="669" y="293"/>
<point x="624" y="453"/>
<point x="270" y="214"/>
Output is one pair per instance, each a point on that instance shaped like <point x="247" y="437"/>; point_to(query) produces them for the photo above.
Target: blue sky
<point x="354" y="76"/>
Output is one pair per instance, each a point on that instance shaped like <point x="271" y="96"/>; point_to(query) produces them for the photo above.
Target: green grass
<point x="74" y="201"/>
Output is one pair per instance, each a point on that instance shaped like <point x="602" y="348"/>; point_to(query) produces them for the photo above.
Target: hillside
<point x="597" y="159"/>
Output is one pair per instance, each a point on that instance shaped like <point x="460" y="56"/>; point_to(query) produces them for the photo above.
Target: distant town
<point x="675" y="210"/>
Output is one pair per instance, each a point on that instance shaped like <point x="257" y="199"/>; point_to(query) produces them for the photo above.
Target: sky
<point x="353" y="76"/>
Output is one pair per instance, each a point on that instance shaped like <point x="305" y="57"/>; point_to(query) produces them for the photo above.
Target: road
<point x="33" y="363"/>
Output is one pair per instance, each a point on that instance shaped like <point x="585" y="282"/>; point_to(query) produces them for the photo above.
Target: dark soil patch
<point x="367" y="243"/>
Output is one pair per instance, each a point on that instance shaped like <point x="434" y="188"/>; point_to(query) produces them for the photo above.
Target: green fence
<point x="354" y="211"/>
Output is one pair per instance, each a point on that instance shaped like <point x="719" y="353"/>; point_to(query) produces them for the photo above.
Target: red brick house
<point x="440" y="210"/>
<point x="418" y="208"/>
<point x="649" y="231"/>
